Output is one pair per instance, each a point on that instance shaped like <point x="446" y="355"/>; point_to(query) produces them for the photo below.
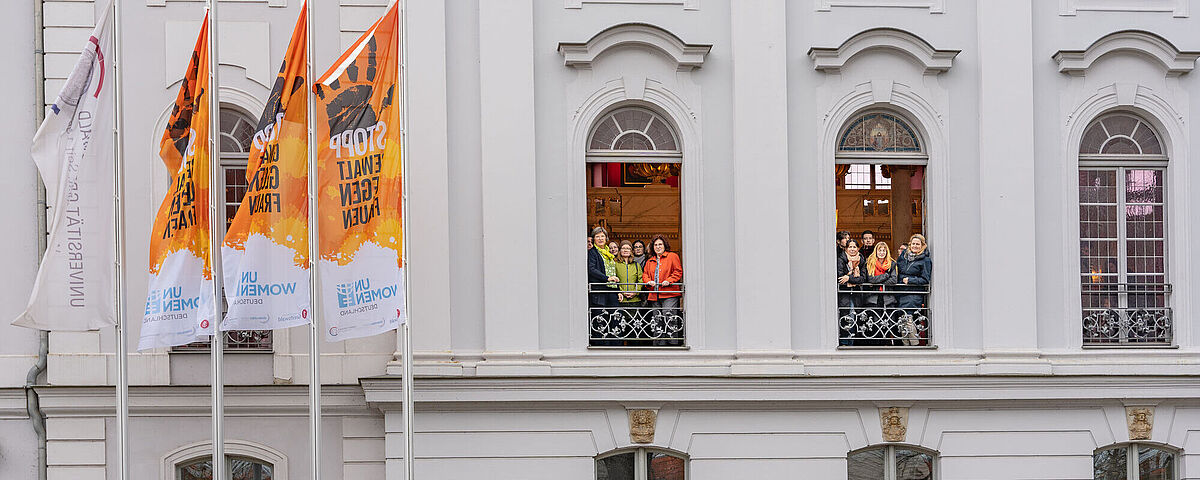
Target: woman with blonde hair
<point x="881" y="270"/>
<point x="914" y="267"/>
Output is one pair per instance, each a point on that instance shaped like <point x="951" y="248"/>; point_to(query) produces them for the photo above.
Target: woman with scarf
<point x="850" y="274"/>
<point x="881" y="271"/>
<point x="914" y="267"/>
<point x="602" y="274"/>
<point x="639" y="253"/>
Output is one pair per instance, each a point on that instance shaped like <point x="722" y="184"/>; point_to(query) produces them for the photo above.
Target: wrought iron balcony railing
<point x="235" y="341"/>
<point x="637" y="323"/>
<point x="1127" y="314"/>
<point x="873" y="316"/>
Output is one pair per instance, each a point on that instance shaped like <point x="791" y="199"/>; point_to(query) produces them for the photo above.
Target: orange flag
<point x="359" y="186"/>
<point x="265" y="255"/>
<point x="179" y="305"/>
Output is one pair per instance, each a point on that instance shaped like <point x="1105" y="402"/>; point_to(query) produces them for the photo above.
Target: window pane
<point x="1092" y="139"/>
<point x="1119" y="124"/>
<point x="196" y="471"/>
<point x="660" y="466"/>
<point x="246" y="469"/>
<point x="1120" y="146"/>
<point x="633" y="141"/>
<point x="616" y="467"/>
<point x="1155" y="464"/>
<point x="913" y="465"/>
<point x="866" y="465"/>
<point x="1110" y="464"/>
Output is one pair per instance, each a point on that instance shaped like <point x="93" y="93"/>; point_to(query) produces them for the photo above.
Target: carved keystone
<point x="641" y="425"/>
<point x="894" y="422"/>
<point x="1140" y="421"/>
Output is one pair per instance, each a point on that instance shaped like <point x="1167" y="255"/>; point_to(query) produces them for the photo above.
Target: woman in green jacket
<point x="630" y="275"/>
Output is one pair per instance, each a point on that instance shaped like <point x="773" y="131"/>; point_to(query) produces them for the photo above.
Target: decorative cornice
<point x="686" y="56"/>
<point x="831" y="60"/>
<point x="240" y="401"/>
<point x="387" y="393"/>
<point x="1176" y="62"/>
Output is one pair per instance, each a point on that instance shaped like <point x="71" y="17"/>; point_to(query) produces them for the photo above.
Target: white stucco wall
<point x="508" y="388"/>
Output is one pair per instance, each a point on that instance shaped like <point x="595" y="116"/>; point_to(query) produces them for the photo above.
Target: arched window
<point x="641" y="464"/>
<point x="1122" y="233"/>
<point x="239" y="468"/>
<point x="880" y="191"/>
<point x="891" y="462"/>
<point x="237" y="131"/>
<point x="1135" y="461"/>
<point x="634" y="165"/>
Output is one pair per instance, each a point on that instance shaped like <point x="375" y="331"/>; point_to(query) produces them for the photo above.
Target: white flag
<point x="73" y="149"/>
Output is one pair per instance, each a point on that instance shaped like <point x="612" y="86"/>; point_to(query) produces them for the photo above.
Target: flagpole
<point x="407" y="355"/>
<point x="119" y="219"/>
<point x="215" y="199"/>
<point x="314" y="327"/>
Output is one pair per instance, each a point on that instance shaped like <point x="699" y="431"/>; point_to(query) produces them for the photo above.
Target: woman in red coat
<point x="662" y="273"/>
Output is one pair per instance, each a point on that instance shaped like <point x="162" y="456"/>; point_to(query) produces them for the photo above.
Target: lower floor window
<point x="239" y="468"/>
<point x="892" y="462"/>
<point x="641" y="464"/>
<point x="1135" y="462"/>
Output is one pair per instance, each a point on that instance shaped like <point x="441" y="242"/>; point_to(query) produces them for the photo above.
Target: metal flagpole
<point x="215" y="198"/>
<point x="119" y="217"/>
<point x="407" y="354"/>
<point x="314" y="327"/>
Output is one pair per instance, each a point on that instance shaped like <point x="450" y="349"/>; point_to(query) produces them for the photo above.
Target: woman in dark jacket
<point x="914" y="267"/>
<point x="850" y="275"/>
<point x="600" y="294"/>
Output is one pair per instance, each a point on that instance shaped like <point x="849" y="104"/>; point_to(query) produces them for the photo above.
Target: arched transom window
<point x="891" y="462"/>
<point x="1135" y="461"/>
<point x="633" y="129"/>
<point x="1122" y="233"/>
<point x="1120" y="134"/>
<point x="239" y="468"/>
<point x="878" y="132"/>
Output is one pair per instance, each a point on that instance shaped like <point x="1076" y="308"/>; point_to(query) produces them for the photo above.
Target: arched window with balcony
<point x="641" y="464"/>
<point x="880" y="205"/>
<point x="891" y="462"/>
<point x="1135" y="461"/>
<point x="1122" y="234"/>
<point x="634" y="164"/>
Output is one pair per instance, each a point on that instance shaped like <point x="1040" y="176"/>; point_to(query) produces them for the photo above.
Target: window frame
<point x="229" y="459"/>
<point x="876" y="159"/>
<point x="639" y="460"/>
<point x="889" y="465"/>
<point x="1132" y="471"/>
<point x="1120" y="164"/>
<point x="227" y="161"/>
<point x="599" y="156"/>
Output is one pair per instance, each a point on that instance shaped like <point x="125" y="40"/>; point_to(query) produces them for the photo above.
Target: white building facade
<point x="1050" y="145"/>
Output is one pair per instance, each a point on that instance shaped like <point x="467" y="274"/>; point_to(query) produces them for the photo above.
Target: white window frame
<point x="639" y="460"/>
<point x="889" y="458"/>
<point x="173" y="460"/>
<point x="1119" y="164"/>
<point x="1131" y="457"/>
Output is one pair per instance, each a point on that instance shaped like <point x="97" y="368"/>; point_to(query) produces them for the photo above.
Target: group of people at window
<point x="873" y="282"/>
<point x="628" y="275"/>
